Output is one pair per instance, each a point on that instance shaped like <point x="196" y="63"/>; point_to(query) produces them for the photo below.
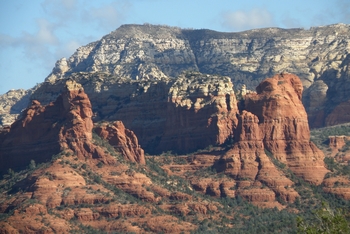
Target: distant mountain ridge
<point x="319" y="56"/>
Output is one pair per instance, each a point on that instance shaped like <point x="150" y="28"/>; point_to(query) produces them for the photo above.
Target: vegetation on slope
<point x="173" y="195"/>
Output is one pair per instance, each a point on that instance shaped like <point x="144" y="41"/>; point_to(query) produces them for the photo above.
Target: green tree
<point x="326" y="220"/>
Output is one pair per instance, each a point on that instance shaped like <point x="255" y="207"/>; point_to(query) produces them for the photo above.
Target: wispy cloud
<point x="107" y="16"/>
<point x="243" y="20"/>
<point x="57" y="34"/>
<point x="36" y="46"/>
<point x="62" y="12"/>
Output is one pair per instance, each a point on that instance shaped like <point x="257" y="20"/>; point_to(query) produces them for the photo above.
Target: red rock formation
<point x="337" y="149"/>
<point x="44" y="131"/>
<point x="336" y="143"/>
<point x="284" y="125"/>
<point x="122" y="139"/>
<point x="247" y="162"/>
<point x="339" y="186"/>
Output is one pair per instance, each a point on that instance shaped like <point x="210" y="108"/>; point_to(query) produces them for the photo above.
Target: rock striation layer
<point x="319" y="56"/>
<point x="44" y="131"/>
<point x="248" y="163"/>
<point x="201" y="111"/>
<point x="284" y="125"/>
<point x="182" y="115"/>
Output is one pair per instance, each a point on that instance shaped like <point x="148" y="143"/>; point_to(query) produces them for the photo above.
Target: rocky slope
<point x="148" y="51"/>
<point x="11" y="104"/>
<point x="319" y="56"/>
<point x="123" y="140"/>
<point x="44" y="131"/>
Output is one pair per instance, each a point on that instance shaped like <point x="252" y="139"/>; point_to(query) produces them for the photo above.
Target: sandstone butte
<point x="66" y="124"/>
<point x="336" y="144"/>
<point x="284" y="125"/>
<point x="247" y="163"/>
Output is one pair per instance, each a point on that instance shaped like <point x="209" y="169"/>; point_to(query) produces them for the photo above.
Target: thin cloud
<point x="43" y="47"/>
<point x="63" y="12"/>
<point x="66" y="49"/>
<point x="43" y="36"/>
<point x="107" y="16"/>
<point x="35" y="46"/>
<point x="243" y="20"/>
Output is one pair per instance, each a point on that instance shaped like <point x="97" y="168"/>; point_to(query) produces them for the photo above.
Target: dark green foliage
<point x="274" y="160"/>
<point x="325" y="220"/>
<point x="104" y="144"/>
<point x="100" y="164"/>
<point x="320" y="136"/>
<point x="336" y="168"/>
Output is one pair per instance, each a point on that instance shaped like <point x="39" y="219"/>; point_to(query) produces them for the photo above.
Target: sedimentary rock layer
<point x="284" y="125"/>
<point x="44" y="131"/>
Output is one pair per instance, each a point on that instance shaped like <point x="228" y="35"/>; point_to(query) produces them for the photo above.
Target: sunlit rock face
<point x="123" y="140"/>
<point x="44" y="131"/>
<point x="319" y="56"/>
<point x="284" y="125"/>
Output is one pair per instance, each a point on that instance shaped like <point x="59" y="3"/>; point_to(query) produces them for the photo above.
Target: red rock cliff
<point x="123" y="140"/>
<point x="284" y="125"/>
<point x="44" y="131"/>
<point x="201" y="111"/>
<point x="248" y="162"/>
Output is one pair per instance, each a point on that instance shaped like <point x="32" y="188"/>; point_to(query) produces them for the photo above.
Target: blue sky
<point x="35" y="34"/>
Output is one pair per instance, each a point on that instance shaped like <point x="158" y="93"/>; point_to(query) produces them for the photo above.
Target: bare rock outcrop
<point x="11" y="105"/>
<point x="123" y="140"/>
<point x="248" y="163"/>
<point x="339" y="148"/>
<point x="336" y="143"/>
<point x="339" y="185"/>
<point x="44" y="131"/>
<point x="284" y="125"/>
<point x="201" y="111"/>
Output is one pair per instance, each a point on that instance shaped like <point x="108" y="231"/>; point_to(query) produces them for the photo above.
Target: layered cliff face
<point x="284" y="125"/>
<point x="182" y="115"/>
<point x="247" y="162"/>
<point x="201" y="111"/>
<point x="327" y="99"/>
<point x="319" y="56"/>
<point x="148" y="51"/>
<point x="44" y="131"/>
